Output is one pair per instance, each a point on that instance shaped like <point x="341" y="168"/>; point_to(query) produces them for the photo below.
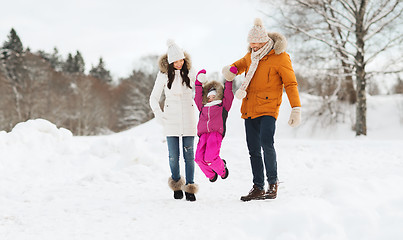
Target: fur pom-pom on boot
<point x="190" y="191"/>
<point x="176" y="186"/>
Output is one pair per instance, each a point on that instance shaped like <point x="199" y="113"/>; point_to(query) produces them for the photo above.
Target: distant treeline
<point x="45" y="85"/>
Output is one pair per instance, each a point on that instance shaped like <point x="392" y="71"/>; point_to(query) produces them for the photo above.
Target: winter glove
<point x="229" y="73"/>
<point x="201" y="76"/>
<point x="240" y="94"/>
<point x="295" y="117"/>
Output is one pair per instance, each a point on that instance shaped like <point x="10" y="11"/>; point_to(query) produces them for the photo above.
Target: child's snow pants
<point x="208" y="154"/>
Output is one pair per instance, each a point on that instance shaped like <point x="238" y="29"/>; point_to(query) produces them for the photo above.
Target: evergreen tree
<point x="55" y="60"/>
<point x="100" y="72"/>
<point x="14" y="43"/>
<point x="68" y="66"/>
<point x="79" y="65"/>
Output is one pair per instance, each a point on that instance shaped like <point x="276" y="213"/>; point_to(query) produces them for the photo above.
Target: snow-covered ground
<point x="333" y="185"/>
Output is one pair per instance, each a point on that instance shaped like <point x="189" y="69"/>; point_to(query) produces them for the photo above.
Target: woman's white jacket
<point x="178" y="114"/>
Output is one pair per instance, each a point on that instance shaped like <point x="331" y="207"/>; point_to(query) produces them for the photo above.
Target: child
<point x="213" y="101"/>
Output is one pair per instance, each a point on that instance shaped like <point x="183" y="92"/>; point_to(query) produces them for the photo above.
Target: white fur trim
<point x="191" y="188"/>
<point x="175" y="186"/>
<point x="212" y="103"/>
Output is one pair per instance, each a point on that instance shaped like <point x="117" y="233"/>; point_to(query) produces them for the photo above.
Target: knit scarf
<point x="255" y="57"/>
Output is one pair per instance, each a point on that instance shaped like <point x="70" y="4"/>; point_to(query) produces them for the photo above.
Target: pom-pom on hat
<point x="258" y="34"/>
<point x="174" y="52"/>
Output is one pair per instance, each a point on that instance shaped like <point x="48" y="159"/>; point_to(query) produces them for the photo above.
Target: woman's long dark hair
<point x="184" y="74"/>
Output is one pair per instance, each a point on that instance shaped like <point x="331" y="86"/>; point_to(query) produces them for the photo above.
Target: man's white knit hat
<point x="258" y="34"/>
<point x="174" y="52"/>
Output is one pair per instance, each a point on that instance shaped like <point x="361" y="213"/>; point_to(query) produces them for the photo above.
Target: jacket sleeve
<point x="192" y="76"/>
<point x="156" y="95"/>
<point x="241" y="65"/>
<point x="199" y="95"/>
<point x="287" y="75"/>
<point x="228" y="95"/>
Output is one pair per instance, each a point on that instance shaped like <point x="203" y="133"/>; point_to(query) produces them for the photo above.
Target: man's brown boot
<point x="272" y="191"/>
<point x="254" y="194"/>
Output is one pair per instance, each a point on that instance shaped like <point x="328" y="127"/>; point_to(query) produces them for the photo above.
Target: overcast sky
<point x="121" y="31"/>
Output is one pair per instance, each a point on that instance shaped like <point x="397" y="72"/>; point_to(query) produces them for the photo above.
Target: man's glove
<point x="295" y="117"/>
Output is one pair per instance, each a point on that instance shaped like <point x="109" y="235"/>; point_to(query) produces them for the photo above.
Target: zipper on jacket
<point x="208" y="119"/>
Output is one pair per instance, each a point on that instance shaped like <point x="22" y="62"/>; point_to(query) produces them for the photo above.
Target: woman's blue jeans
<point x="188" y="154"/>
<point x="260" y="135"/>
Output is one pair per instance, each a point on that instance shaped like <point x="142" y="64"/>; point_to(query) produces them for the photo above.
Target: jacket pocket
<point x="170" y="114"/>
<point x="244" y="107"/>
<point x="266" y="102"/>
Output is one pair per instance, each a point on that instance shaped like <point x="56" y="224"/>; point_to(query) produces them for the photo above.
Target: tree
<point x="88" y="106"/>
<point x="398" y="87"/>
<point x="7" y="101"/>
<point x="147" y="64"/>
<point x="13" y="43"/>
<point x="41" y="85"/>
<point x="135" y="107"/>
<point x="35" y="99"/>
<point x="74" y="64"/>
<point x="100" y="72"/>
<point x="15" y="72"/>
<point x="68" y="65"/>
<point x="356" y="32"/>
<point x="79" y="65"/>
<point x="53" y="58"/>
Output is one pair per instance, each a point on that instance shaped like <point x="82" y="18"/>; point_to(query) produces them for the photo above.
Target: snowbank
<point x="333" y="185"/>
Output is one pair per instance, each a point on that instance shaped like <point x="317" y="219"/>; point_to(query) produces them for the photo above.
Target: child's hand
<point x="201" y="76"/>
<point x="229" y="72"/>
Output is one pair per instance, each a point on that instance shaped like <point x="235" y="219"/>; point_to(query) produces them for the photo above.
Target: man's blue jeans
<point x="188" y="154"/>
<point x="260" y="135"/>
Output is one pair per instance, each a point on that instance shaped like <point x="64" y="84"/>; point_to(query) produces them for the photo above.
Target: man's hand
<point x="295" y="117"/>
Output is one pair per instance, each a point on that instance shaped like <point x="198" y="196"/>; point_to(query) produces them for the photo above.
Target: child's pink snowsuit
<point x="211" y="127"/>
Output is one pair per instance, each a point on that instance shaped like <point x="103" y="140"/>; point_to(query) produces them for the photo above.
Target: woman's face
<point x="178" y="64"/>
<point x="256" y="46"/>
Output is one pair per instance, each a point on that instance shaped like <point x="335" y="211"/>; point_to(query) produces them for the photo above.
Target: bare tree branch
<point x="389" y="44"/>
<point x="348" y="7"/>
<point x="377" y="16"/>
<point x="383" y="26"/>
<point x="349" y="17"/>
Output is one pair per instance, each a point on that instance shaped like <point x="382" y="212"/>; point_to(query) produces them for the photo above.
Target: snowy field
<point x="333" y="185"/>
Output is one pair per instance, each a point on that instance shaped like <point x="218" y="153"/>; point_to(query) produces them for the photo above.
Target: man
<point x="268" y="69"/>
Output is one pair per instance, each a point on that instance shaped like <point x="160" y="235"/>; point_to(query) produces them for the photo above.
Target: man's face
<point x="256" y="46"/>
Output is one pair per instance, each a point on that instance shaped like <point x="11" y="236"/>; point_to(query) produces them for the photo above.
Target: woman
<point x="178" y="118"/>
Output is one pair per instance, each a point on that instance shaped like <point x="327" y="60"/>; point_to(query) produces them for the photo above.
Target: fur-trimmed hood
<point x="280" y="42"/>
<point x="163" y="62"/>
<point x="217" y="86"/>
